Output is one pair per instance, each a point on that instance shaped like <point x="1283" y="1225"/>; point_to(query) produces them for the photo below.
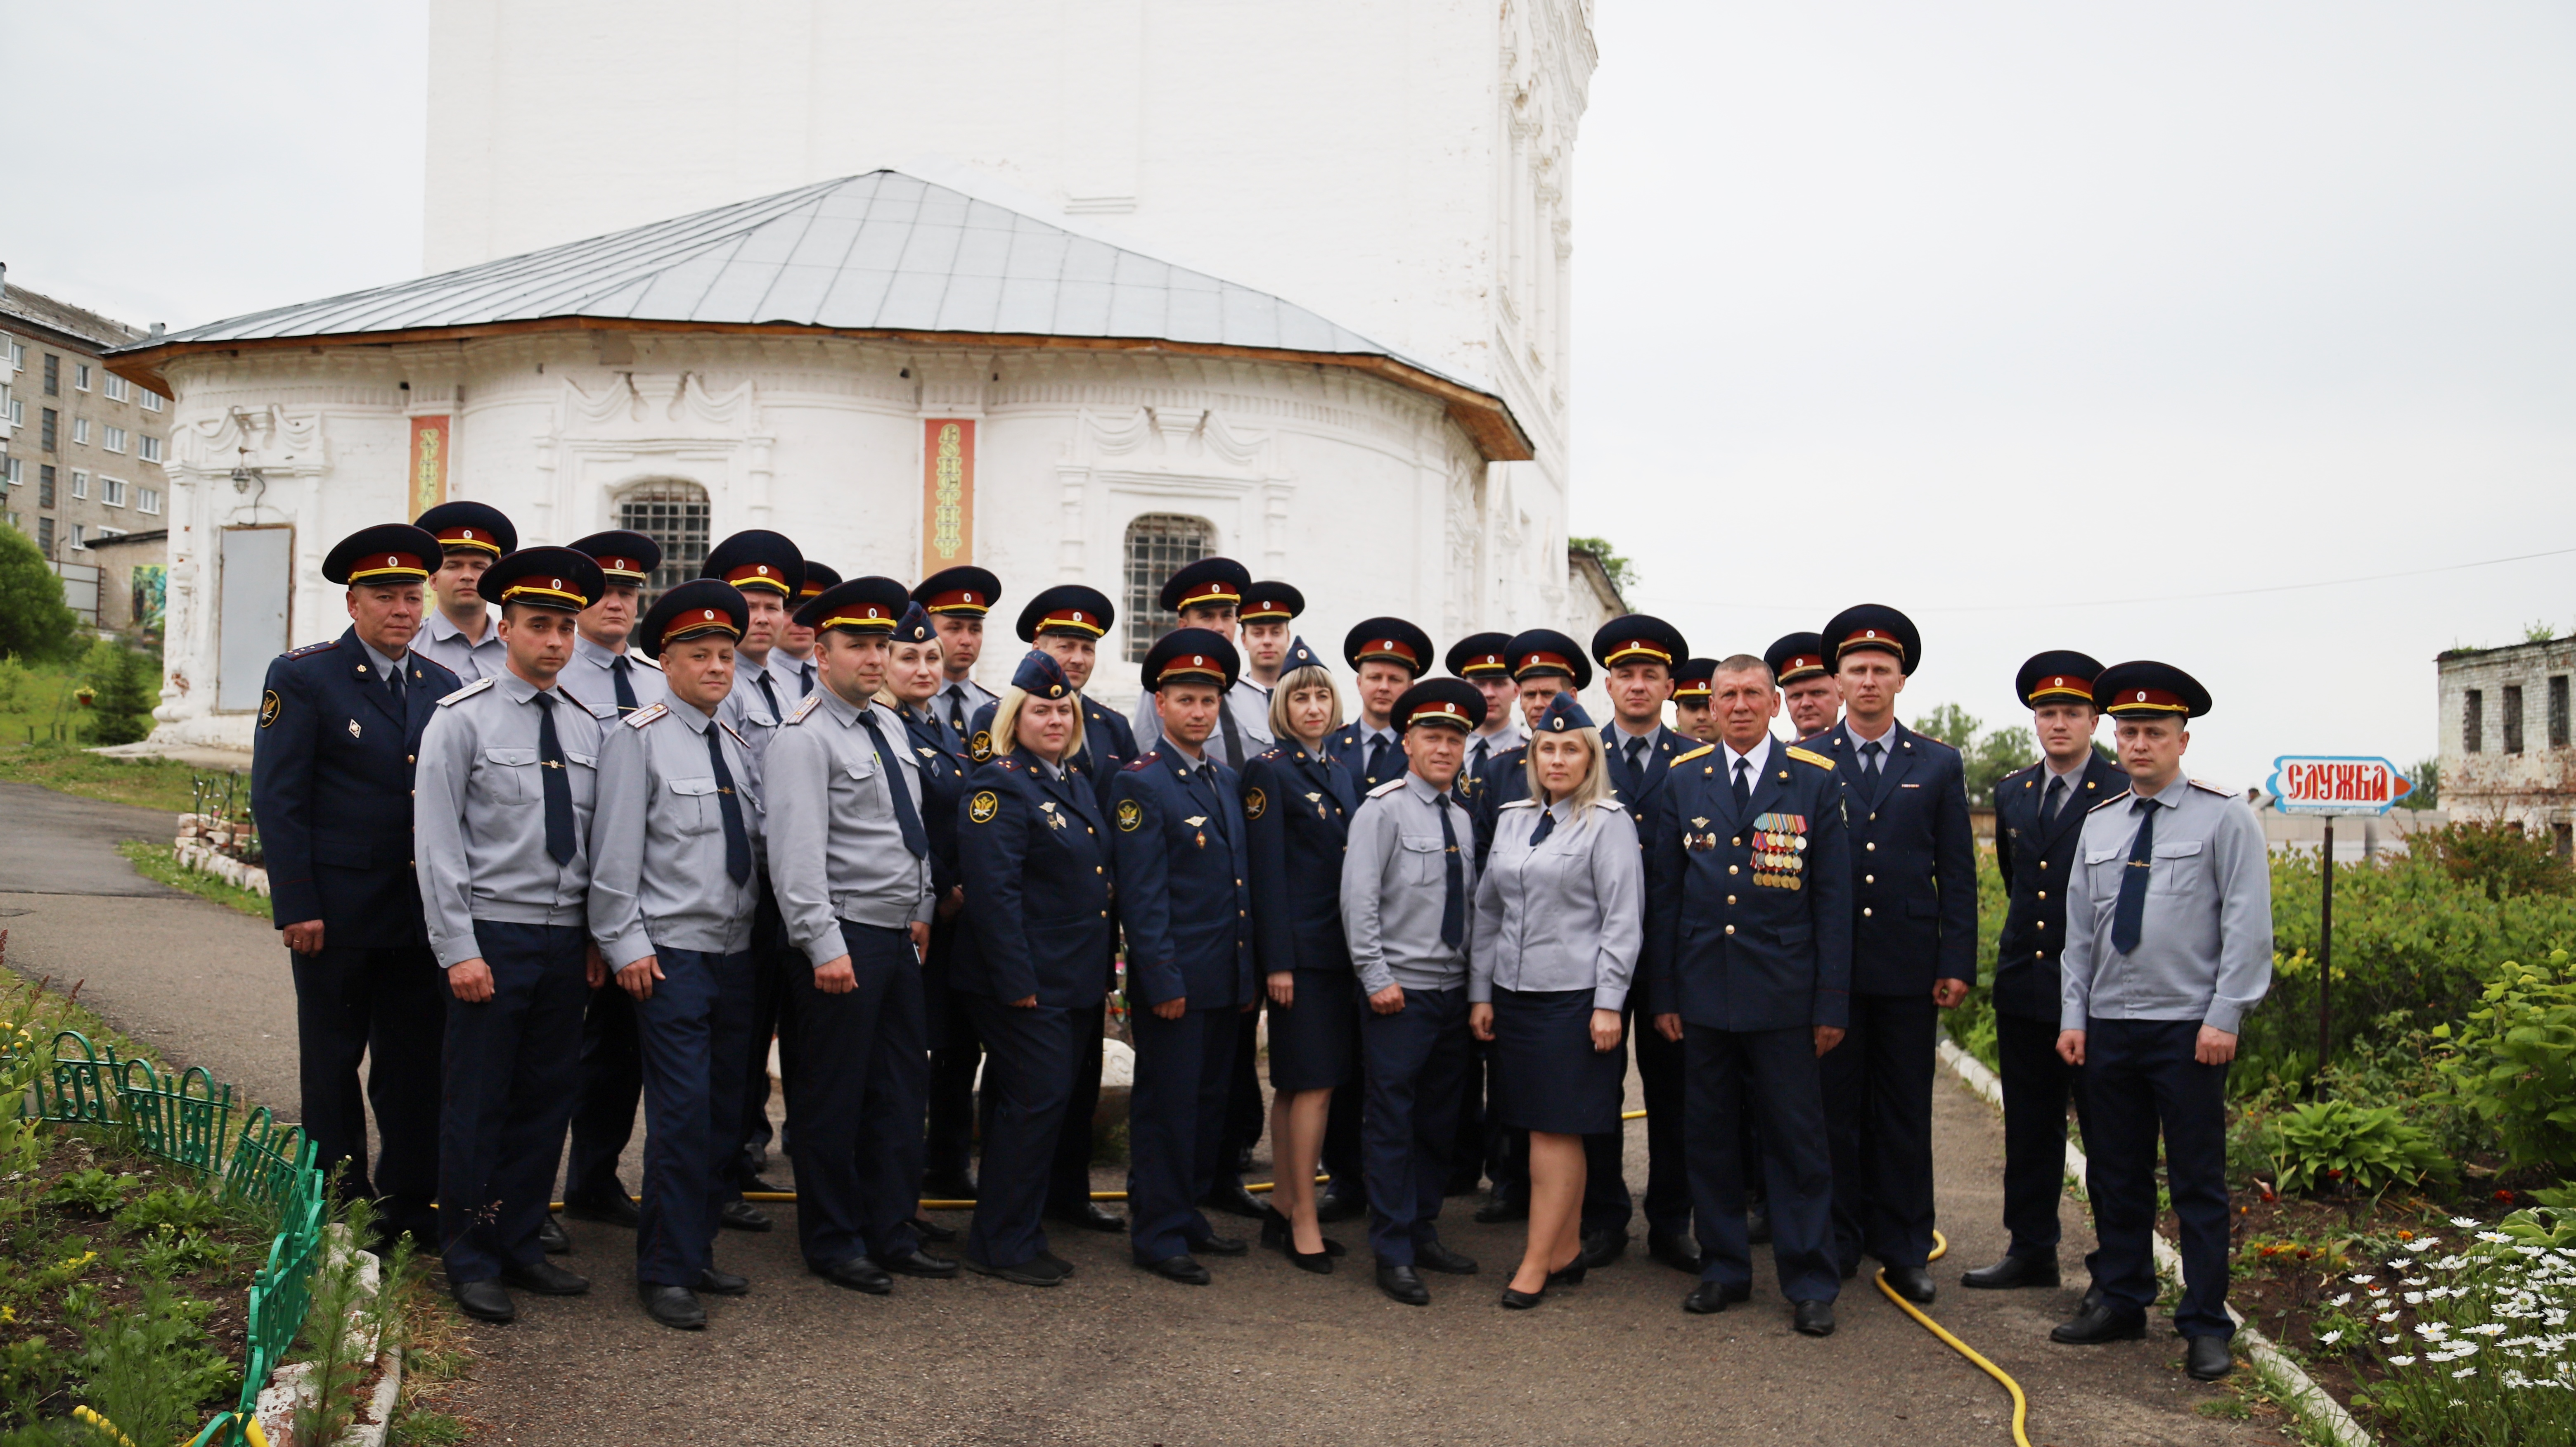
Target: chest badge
<point x="1054" y="819"/>
<point x="353" y="728"/>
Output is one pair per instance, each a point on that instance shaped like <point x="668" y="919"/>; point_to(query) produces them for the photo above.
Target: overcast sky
<point x="1995" y="312"/>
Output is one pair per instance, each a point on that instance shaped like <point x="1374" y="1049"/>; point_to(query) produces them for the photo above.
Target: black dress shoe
<point x="2092" y="1300"/>
<point x="1402" y="1284"/>
<point x="743" y="1216"/>
<point x="1183" y="1268"/>
<point x="1058" y="1262"/>
<point x="1911" y="1282"/>
<point x="676" y="1307"/>
<point x="751" y="1181"/>
<point x="1522" y="1300"/>
<point x="1338" y="1205"/>
<point x="857" y="1273"/>
<point x="929" y="1230"/>
<point x="1600" y="1248"/>
<point x="613" y="1208"/>
<point x="1231" y="1198"/>
<point x="484" y="1300"/>
<point x="1570" y="1274"/>
<point x="1501" y="1209"/>
<point x="1711" y="1297"/>
<point x="550" y="1235"/>
<point x="723" y="1283"/>
<point x="1039" y="1270"/>
<point x="1813" y="1318"/>
<point x="545" y="1279"/>
<point x="2014" y="1270"/>
<point x="2209" y="1358"/>
<point x="1678" y="1252"/>
<point x="2104" y="1323"/>
<point x="948" y="1186"/>
<point x="1221" y="1246"/>
<point x="921" y="1264"/>
<point x="1090" y="1216"/>
<point x="1757" y="1224"/>
<point x="1432" y="1256"/>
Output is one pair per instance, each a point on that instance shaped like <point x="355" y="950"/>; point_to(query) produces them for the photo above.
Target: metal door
<point x="250" y="622"/>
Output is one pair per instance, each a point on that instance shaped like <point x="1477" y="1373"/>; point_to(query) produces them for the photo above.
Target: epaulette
<point x="812" y="701"/>
<point x="735" y="734"/>
<point x="1522" y="803"/>
<point x="325" y="646"/>
<point x="1693" y="754"/>
<point x="1006" y="761"/>
<point x="2209" y="788"/>
<point x="1610" y="803"/>
<point x="1134" y="764"/>
<point x="1809" y="756"/>
<point x="1389" y="787"/>
<point x="2107" y="803"/>
<point x="634" y="657"/>
<point x="468" y="691"/>
<point x="642" y="716"/>
<point x="568" y="696"/>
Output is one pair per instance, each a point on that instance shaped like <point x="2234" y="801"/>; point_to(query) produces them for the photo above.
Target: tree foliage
<point x="36" y="625"/>
<point x="1985" y="758"/>
<point x="123" y="679"/>
<point x="1621" y="572"/>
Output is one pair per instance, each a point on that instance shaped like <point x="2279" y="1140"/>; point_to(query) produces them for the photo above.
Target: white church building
<point x="1076" y="293"/>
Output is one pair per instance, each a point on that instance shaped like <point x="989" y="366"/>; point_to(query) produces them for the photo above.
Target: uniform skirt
<point x="1546" y="1075"/>
<point x="1314" y="1043"/>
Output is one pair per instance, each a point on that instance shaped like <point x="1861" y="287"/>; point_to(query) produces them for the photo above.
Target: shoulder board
<point x="1523" y="803"/>
<point x="468" y="691"/>
<point x="1693" y="754"/>
<point x="1137" y="764"/>
<point x="1610" y="803"/>
<point x="635" y="657"/>
<point x="797" y="714"/>
<point x="1006" y="762"/>
<point x="2107" y="803"/>
<point x="1389" y="787"/>
<point x="642" y="716"/>
<point x="734" y="733"/>
<point x="325" y="646"/>
<point x="569" y="696"/>
<point x="2208" y="788"/>
<point x="1809" y="756"/>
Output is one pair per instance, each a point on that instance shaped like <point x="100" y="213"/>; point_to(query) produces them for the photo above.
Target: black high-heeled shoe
<point x="1522" y="1300"/>
<point x="1277" y="1235"/>
<point x="1571" y="1275"/>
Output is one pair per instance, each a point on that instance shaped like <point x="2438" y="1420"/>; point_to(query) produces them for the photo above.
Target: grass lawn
<point x="160" y="864"/>
<point x="149" y="783"/>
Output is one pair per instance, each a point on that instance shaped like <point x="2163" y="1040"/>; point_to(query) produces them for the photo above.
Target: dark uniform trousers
<point x="2038" y="1084"/>
<point x="1028" y="1078"/>
<point x="1069" y="1181"/>
<point x="774" y="966"/>
<point x="1175" y="1123"/>
<point x="1342" y="1156"/>
<point x="612" y="1081"/>
<point x="956" y="1051"/>
<point x="2141" y="1077"/>
<point x="1607" y="1204"/>
<point x="856" y="1110"/>
<point x="1770" y="1075"/>
<point x="1244" y="1113"/>
<point x="690" y="1033"/>
<point x="1878" y="1101"/>
<point x="385" y="1006"/>
<point x="511" y="1068"/>
<point x="1413" y="1065"/>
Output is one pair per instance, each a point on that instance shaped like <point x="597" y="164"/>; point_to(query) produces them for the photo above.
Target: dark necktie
<point x="1538" y="836"/>
<point x="737" y="838"/>
<point x="619" y="674"/>
<point x="906" y="817"/>
<point x="2049" y="805"/>
<point x="804" y="679"/>
<point x="957" y="711"/>
<point x="1207" y="777"/>
<point x="1635" y="749"/>
<point x="394" y="681"/>
<point x="560" y="845"/>
<point x="1453" y="899"/>
<point x="1233" y="734"/>
<point x="776" y="714"/>
<point x="1869" y="753"/>
<point x="2131" y="912"/>
<point x="1476" y="769"/>
<point x="1743" y="785"/>
<point x="1379" y="748"/>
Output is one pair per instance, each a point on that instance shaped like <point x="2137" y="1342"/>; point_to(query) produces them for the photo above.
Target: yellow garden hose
<point x="2021" y="1404"/>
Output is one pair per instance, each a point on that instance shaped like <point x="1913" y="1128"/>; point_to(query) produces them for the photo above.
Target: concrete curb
<point x="2318" y="1410"/>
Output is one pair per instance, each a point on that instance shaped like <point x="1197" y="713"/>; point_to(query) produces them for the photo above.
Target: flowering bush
<point x="2474" y="1340"/>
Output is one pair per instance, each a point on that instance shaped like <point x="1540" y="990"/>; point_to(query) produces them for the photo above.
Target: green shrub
<point x="178" y="1207"/>
<point x="98" y="1192"/>
<point x="35" y="623"/>
<point x="2500" y="858"/>
<point x="122" y="711"/>
<point x="2330" y="1144"/>
<point x="2513" y="1064"/>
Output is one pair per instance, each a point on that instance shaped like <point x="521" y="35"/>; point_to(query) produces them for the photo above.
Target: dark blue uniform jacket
<point x="2035" y="863"/>
<point x="1185" y="903"/>
<point x="1351" y="752"/>
<point x="1298" y="806"/>
<point x="1638" y="790"/>
<point x="1914" y="862"/>
<point x="1749" y="915"/>
<point x="1506" y="780"/>
<point x="330" y="786"/>
<point x="1108" y="744"/>
<point x="1036" y="856"/>
<point x="943" y="783"/>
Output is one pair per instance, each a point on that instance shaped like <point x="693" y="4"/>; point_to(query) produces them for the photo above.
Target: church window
<point x="1159" y="544"/>
<point x="673" y="514"/>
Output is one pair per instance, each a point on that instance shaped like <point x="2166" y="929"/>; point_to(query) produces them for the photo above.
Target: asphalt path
<point x="1266" y="1354"/>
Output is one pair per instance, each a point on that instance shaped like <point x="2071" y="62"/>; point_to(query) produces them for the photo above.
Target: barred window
<point x="673" y="514"/>
<point x="1159" y="544"/>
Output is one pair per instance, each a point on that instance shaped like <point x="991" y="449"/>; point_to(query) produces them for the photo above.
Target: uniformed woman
<point x="1037" y="864"/>
<point x="1559" y="918"/>
<point x="1299" y="801"/>
<point x="914" y="677"/>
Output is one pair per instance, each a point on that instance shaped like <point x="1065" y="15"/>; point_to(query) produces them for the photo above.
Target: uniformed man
<point x="472" y="536"/>
<point x="1479" y="659"/>
<point x="1748" y="938"/>
<point x="1637" y="653"/>
<point x="616" y="682"/>
<point x="507" y="779"/>
<point x="791" y="661"/>
<point x="957" y="600"/>
<point x="1690" y="699"/>
<point x="331" y="780"/>
<point x="851" y="861"/>
<point x="1914" y="941"/>
<point x="2039" y="812"/>
<point x="1267" y="618"/>
<point x="1808" y="690"/>
<point x="1208" y="594"/>
<point x="2169" y="943"/>
<point x="675" y="884"/>
<point x="1483" y="1149"/>
<point x="1386" y="656"/>
<point x="1408" y="886"/>
<point x="1181" y="843"/>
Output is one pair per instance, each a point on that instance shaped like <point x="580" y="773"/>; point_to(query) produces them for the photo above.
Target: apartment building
<point x="81" y="450"/>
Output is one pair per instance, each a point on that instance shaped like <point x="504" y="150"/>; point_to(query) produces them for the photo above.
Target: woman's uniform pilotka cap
<point x="1388" y="640"/>
<point x="1638" y="638"/>
<point x="1796" y="656"/>
<point x="964" y="591"/>
<point x="2145" y="689"/>
<point x="1191" y="655"/>
<point x="1270" y="603"/>
<point x="545" y="578"/>
<point x="1874" y="625"/>
<point x="913" y="626"/>
<point x="1207" y="583"/>
<point x="1480" y="655"/>
<point x="385" y="553"/>
<point x="757" y="559"/>
<point x="1299" y="656"/>
<point x="1040" y="676"/>
<point x="626" y="559"/>
<point x="1564" y="716"/>
<point x="1546" y="653"/>
<point x="1067" y="608"/>
<point x="698" y="608"/>
<point x="2061" y="675"/>
<point x="1690" y="679"/>
<point x="818" y="581"/>
<point x="861" y="605"/>
<point x="1451" y="701"/>
<point x="475" y="527"/>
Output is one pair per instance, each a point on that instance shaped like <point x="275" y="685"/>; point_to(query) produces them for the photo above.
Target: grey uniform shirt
<point x="959" y="699"/>
<point x="1394" y="868"/>
<point x="836" y="851"/>
<point x="747" y="710"/>
<point x="592" y="676"/>
<point x="440" y="641"/>
<point x="2205" y="941"/>
<point x="479" y="814"/>
<point x="1247" y="705"/>
<point x="657" y="838"/>
<point x="1569" y="914"/>
<point x="793" y="677"/>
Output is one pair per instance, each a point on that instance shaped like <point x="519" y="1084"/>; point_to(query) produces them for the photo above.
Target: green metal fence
<point x="187" y="1120"/>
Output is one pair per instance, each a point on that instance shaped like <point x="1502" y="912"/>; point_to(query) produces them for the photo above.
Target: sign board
<point x="947" y="493"/>
<point x="2336" y="784"/>
<point x="428" y="463"/>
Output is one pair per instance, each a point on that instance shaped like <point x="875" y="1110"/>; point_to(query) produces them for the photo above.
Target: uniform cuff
<point x="2224" y="1015"/>
<point x="454" y="950"/>
<point x="628" y="948"/>
<point x="1375" y="977"/>
<point x="1609" y="997"/>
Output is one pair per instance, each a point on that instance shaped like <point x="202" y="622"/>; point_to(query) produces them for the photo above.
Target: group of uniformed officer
<point x="775" y="805"/>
